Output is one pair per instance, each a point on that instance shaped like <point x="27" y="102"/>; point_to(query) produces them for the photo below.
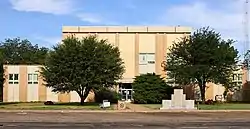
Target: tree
<point x="17" y="51"/>
<point x="81" y="65"/>
<point x="2" y="79"/>
<point x="150" y="88"/>
<point x="202" y="57"/>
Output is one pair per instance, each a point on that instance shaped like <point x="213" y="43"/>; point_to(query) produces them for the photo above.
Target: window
<point x="142" y="59"/>
<point x="146" y="63"/>
<point x="32" y="78"/>
<point x="239" y="77"/>
<point x="150" y="58"/>
<point x="13" y="78"/>
<point x="234" y="77"/>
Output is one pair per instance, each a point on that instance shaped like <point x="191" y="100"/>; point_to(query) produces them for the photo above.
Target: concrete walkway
<point x="137" y="107"/>
<point x="137" y="110"/>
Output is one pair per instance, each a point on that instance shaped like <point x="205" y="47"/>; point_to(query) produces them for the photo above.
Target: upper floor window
<point x="32" y="78"/>
<point x="146" y="63"/>
<point x="13" y="79"/>
<point x="146" y="58"/>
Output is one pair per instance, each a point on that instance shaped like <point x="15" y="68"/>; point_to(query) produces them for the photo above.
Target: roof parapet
<point x="124" y="29"/>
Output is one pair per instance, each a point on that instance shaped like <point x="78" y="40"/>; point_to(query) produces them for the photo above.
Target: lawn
<point x="225" y="106"/>
<point x="56" y="106"/>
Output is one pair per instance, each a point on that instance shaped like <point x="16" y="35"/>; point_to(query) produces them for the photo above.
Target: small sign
<point x="105" y="104"/>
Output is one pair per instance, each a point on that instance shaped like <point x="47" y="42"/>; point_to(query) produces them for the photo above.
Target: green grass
<point x="56" y="106"/>
<point x="225" y="106"/>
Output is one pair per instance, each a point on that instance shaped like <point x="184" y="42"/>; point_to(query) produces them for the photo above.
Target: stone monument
<point x="121" y="105"/>
<point x="178" y="101"/>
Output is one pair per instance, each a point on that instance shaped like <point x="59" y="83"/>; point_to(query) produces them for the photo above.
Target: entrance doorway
<point x="126" y="91"/>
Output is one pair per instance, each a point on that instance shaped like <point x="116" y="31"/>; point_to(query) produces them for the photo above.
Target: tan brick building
<point x="25" y="84"/>
<point x="143" y="49"/>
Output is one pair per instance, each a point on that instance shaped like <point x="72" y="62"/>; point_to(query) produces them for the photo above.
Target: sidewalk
<point x="136" y="107"/>
<point x="121" y="111"/>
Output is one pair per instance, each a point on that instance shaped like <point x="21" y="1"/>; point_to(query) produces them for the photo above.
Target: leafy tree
<point x="17" y="51"/>
<point x="202" y="57"/>
<point x="81" y="65"/>
<point x="1" y="76"/>
<point x="150" y="88"/>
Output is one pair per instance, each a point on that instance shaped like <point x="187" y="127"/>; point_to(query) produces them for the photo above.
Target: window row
<point x="237" y="77"/>
<point x="32" y="78"/>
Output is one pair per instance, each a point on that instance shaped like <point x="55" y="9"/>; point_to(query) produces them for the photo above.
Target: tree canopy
<point x="202" y="57"/>
<point x="18" y="51"/>
<point x="150" y="89"/>
<point x="2" y="79"/>
<point x="81" y="65"/>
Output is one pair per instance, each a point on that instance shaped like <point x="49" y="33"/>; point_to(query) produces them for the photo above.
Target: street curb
<point x="120" y="111"/>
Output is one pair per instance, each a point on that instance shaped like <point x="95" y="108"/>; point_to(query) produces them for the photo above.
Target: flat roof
<point x="126" y="29"/>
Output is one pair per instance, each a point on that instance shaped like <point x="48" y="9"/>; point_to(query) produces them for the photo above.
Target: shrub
<point x="106" y="94"/>
<point x="209" y="102"/>
<point x="48" y="103"/>
<point x="150" y="89"/>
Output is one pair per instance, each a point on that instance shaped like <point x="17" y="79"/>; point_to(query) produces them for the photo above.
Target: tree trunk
<point x="82" y="100"/>
<point x="202" y="85"/>
<point x="202" y="89"/>
<point x="83" y="95"/>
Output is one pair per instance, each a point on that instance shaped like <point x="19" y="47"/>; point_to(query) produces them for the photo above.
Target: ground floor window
<point x="13" y="79"/>
<point x="32" y="78"/>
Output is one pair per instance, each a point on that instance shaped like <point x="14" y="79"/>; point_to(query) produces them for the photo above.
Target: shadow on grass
<point x="238" y="102"/>
<point x="55" y="103"/>
<point x="8" y="103"/>
<point x="77" y="104"/>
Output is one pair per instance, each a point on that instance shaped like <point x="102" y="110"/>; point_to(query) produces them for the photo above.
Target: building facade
<point x="143" y="49"/>
<point x="24" y="84"/>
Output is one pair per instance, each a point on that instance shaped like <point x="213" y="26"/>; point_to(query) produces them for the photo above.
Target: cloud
<point x="94" y="18"/>
<point x="91" y="18"/>
<point x="56" y="7"/>
<point x="224" y="18"/>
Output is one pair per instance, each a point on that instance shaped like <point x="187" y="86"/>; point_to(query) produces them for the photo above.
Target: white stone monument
<point x="178" y="101"/>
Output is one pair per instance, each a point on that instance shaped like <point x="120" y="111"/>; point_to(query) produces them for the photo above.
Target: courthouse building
<point x="143" y="49"/>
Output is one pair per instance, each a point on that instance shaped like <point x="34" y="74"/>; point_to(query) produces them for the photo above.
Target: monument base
<point x="178" y="102"/>
<point x="178" y="108"/>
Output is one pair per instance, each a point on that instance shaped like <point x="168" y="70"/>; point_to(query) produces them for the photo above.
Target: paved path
<point x="160" y="120"/>
<point x="137" y="110"/>
<point x="137" y="107"/>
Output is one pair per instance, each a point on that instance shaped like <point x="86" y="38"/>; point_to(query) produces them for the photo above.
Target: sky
<point x="41" y="21"/>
